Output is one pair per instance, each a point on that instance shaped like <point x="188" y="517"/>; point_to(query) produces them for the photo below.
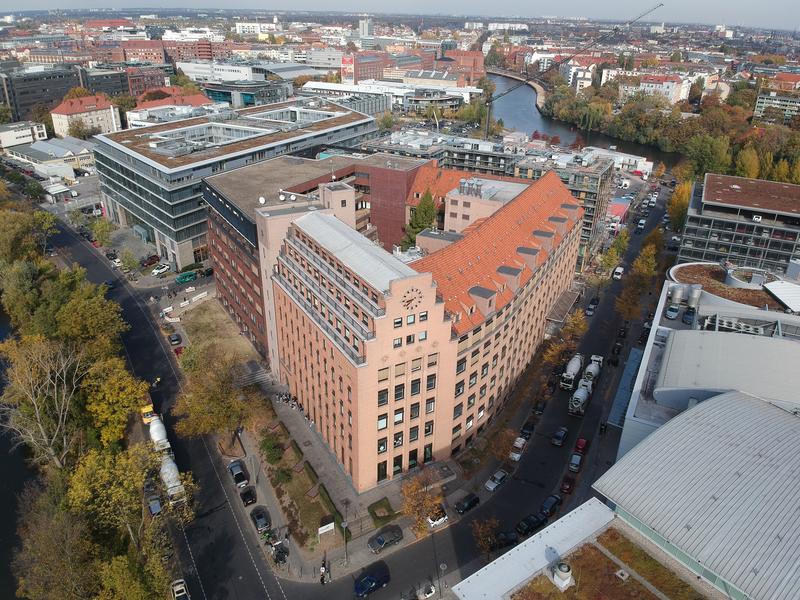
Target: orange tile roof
<point x="76" y="106"/>
<point x="439" y="181"/>
<point x="176" y="100"/>
<point x="494" y="242"/>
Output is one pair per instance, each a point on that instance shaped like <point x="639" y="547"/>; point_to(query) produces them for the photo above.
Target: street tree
<point x="212" y="400"/>
<point x="40" y="113"/>
<point x="79" y="129"/>
<point x="102" y="228"/>
<point x="128" y="260"/>
<point x="43" y="225"/>
<point x="424" y="216"/>
<point x="609" y="260"/>
<point x="644" y="268"/>
<point x="555" y="351"/>
<point x="627" y="303"/>
<point x="17" y="241"/>
<point x="620" y="243"/>
<point x="575" y="326"/>
<point x="794" y="175"/>
<point x="503" y="442"/>
<point x="40" y="404"/>
<point x="781" y="171"/>
<point x="5" y="113"/>
<point x="708" y="154"/>
<point x="121" y="579"/>
<point x="659" y="171"/>
<point x="112" y="394"/>
<point x="656" y="239"/>
<point x="77" y="92"/>
<point x="107" y="486"/>
<point x="34" y="190"/>
<point x="678" y="205"/>
<point x="484" y="532"/>
<point x="23" y="284"/>
<point x="56" y="557"/>
<point x="683" y="171"/>
<point x="92" y="320"/>
<point x="77" y="217"/>
<point x="419" y="500"/>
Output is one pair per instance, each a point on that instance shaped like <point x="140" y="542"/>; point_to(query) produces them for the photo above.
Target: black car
<point x="504" y="539"/>
<point x="388" y="536"/>
<point x="551" y="504"/>
<point x="617" y="349"/>
<point x="538" y="408"/>
<point x="260" y="518"/>
<point x="468" y="502"/>
<point x="248" y="496"/>
<point x="531" y="524"/>
<point x="527" y="430"/>
<point x="623" y="332"/>
<point x="370" y="582"/>
<point x="111" y="255"/>
<point x="559" y="436"/>
<point x="175" y="339"/>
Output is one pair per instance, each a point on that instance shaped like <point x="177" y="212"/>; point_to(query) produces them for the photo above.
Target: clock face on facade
<point x="411" y="299"/>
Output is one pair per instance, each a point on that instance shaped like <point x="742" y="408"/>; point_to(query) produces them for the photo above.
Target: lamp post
<point x="346" y="503"/>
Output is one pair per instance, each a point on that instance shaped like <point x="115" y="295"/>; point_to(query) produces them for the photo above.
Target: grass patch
<point x="382" y="512"/>
<point x="594" y="578"/>
<point x="208" y="323"/>
<point x="645" y="565"/>
<point x="298" y="454"/>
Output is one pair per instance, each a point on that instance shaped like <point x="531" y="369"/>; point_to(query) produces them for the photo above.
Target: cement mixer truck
<point x="580" y="399"/>
<point x="571" y="372"/>
<point x="594" y="367"/>
<point x="171" y="478"/>
<point x="158" y="435"/>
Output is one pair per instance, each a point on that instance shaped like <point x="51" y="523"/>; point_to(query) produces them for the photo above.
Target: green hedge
<point x="298" y="452"/>
<point x="337" y="516"/>
<point x="312" y="474"/>
<point x="192" y="267"/>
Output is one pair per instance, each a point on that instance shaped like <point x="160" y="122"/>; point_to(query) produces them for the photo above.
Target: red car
<point x="178" y="351"/>
<point x="151" y="260"/>
<point x="567" y="485"/>
<point x="582" y="445"/>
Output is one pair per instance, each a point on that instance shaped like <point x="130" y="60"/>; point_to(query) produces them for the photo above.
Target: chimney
<point x="462" y="186"/>
<point x="478" y="187"/>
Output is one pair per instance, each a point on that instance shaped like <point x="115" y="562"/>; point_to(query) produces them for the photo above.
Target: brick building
<point x="143" y="79"/>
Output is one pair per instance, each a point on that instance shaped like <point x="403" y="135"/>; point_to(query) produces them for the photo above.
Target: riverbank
<point x="541" y="93"/>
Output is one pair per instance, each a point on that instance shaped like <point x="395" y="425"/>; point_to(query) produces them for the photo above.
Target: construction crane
<point x="557" y="63"/>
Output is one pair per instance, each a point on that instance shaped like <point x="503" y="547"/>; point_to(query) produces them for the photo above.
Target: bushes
<point x="283" y="475"/>
<point x="192" y="267"/>
<point x="272" y="447"/>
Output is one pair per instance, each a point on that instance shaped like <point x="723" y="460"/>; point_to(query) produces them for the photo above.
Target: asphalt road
<point x="219" y="552"/>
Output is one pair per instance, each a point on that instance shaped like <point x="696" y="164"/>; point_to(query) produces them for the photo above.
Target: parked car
<point x="539" y="407"/>
<point x="559" y="437"/>
<point x="111" y="254"/>
<point x="527" y="429"/>
<point x="186" y="277"/>
<point x="688" y="315"/>
<point x="370" y="582"/>
<point x="468" y="502"/>
<point x="567" y="485"/>
<point x="581" y="446"/>
<point x="207" y="272"/>
<point x="496" y="480"/>
<point x="531" y="524"/>
<point x="160" y="270"/>
<point x="438" y="516"/>
<point x="388" y="536"/>
<point x="590" y="310"/>
<point x="575" y="462"/>
<point x="179" y="590"/>
<point x="504" y="539"/>
<point x="175" y="339"/>
<point x="260" y="518"/>
<point x="517" y="449"/>
<point x="551" y="504"/>
<point x="152" y="499"/>
<point x="238" y="473"/>
<point x="617" y="349"/>
<point x="116" y="262"/>
<point x="672" y="312"/>
<point x="248" y="496"/>
<point x="618" y="273"/>
<point x="150" y="260"/>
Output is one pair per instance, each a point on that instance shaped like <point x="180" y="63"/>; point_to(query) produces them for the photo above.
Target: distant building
<point x="94" y="112"/>
<point x="671" y="87"/>
<point x="359" y="66"/>
<point x="56" y="156"/>
<point x="111" y="82"/>
<point x="777" y="105"/>
<point x="23" y="89"/>
<point x="21" y="132"/>
<point x="143" y="79"/>
<point x="366" y="27"/>
<point x="746" y="222"/>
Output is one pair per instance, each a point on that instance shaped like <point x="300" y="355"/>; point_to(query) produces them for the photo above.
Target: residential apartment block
<point x="399" y="364"/>
<point x="150" y="179"/>
<point x="93" y="112"/>
<point x="747" y="222"/>
<point x="671" y="87"/>
<point x="777" y="105"/>
<point x="22" y="89"/>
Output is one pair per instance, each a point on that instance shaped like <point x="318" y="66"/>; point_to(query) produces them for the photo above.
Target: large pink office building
<point x="402" y="363"/>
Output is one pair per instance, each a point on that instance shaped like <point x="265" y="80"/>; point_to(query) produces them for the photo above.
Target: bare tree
<point x="503" y="442"/>
<point x="39" y="402"/>
<point x="419" y="500"/>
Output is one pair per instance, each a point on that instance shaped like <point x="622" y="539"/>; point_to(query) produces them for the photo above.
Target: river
<point x="13" y="475"/>
<point x="518" y="111"/>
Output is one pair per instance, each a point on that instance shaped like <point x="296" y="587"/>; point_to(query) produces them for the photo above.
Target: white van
<point x="618" y="273"/>
<point x="640" y="225"/>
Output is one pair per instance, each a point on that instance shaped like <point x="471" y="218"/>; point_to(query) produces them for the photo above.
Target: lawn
<point x="382" y="512"/>
<point x="208" y="323"/>
<point x="594" y="580"/>
<point x="645" y="565"/>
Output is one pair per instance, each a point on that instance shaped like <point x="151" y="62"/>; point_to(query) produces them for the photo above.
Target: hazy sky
<point x="783" y="14"/>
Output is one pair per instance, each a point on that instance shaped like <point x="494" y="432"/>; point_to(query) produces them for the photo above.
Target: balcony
<point x="363" y="300"/>
<point x="332" y="334"/>
<point x="331" y="302"/>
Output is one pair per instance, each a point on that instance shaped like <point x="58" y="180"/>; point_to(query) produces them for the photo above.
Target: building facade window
<point x="382" y="470"/>
<point x="414" y="411"/>
<point x="383" y="397"/>
<point x="430" y="382"/>
<point x="383" y="421"/>
<point x="399" y="391"/>
<point x="458" y="409"/>
<point x="399" y="415"/>
<point x="381" y="445"/>
<point x="430" y="406"/>
<point x="413" y="434"/>
<point x="398" y="439"/>
<point x="459" y="388"/>
<point x="415" y="387"/>
<point x="428" y="428"/>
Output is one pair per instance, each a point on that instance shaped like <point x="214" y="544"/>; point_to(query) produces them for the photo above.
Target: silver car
<point x="496" y="480"/>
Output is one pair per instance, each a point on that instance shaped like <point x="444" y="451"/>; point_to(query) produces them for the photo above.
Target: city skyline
<point x="778" y="14"/>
